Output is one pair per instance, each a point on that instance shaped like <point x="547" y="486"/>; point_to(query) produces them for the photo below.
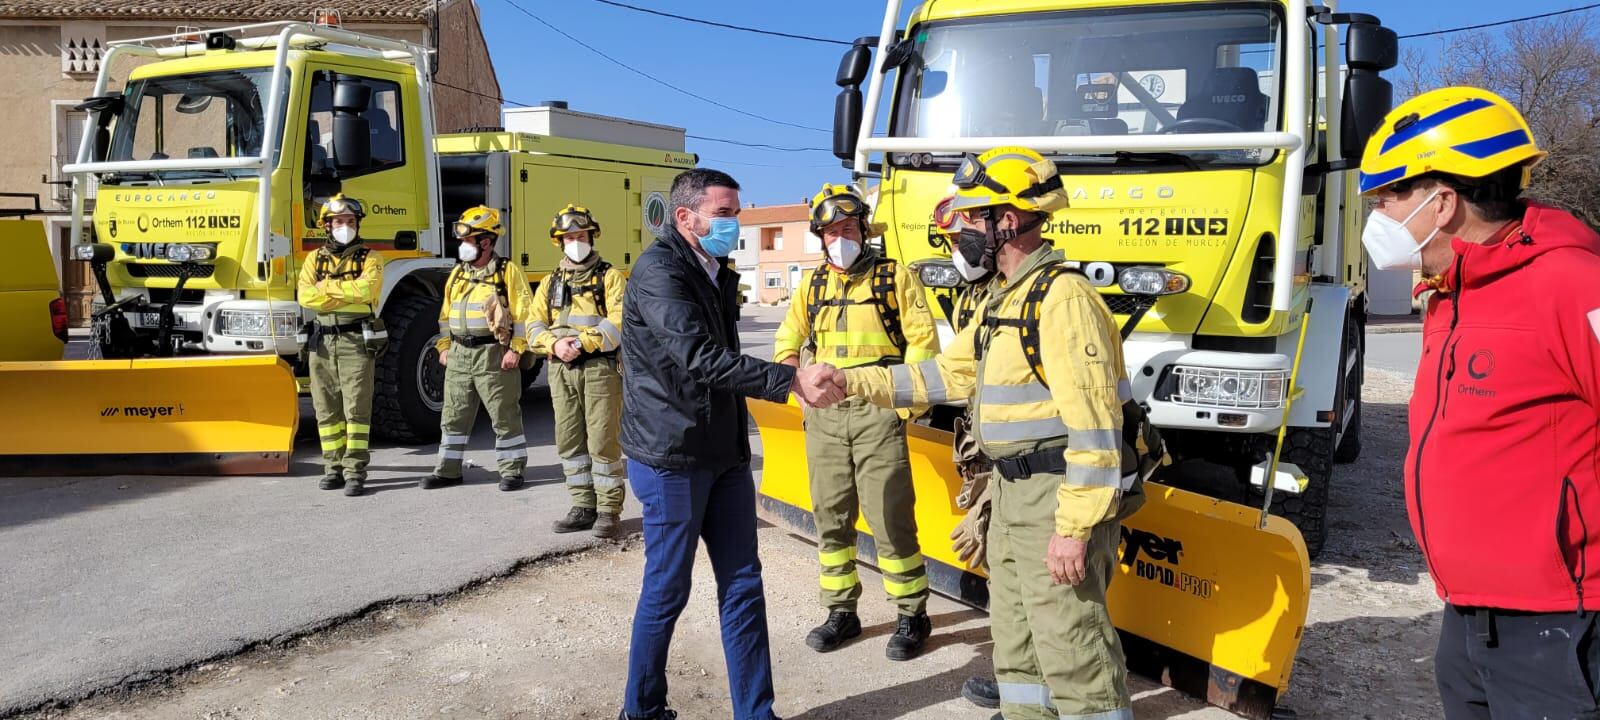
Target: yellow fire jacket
<point x="849" y="330"/>
<point x="1013" y="413"/>
<point x="346" y="291"/>
<point x="596" y="332"/>
<point x="465" y="294"/>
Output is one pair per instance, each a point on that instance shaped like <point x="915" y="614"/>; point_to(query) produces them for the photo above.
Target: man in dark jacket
<point x="1502" y="478"/>
<point x="684" y="430"/>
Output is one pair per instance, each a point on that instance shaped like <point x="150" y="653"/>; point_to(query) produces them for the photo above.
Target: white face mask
<point x="972" y="274"/>
<point x="1391" y="245"/>
<point x="344" y="234"/>
<point x="577" y="251"/>
<point x="843" y="253"/>
<point x="468" y="251"/>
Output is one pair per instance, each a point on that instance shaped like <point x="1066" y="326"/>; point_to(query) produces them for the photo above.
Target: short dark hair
<point x="689" y="187"/>
<point x="1496" y="197"/>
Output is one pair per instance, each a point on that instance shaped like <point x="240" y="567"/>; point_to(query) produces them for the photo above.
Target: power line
<point x="763" y="146"/>
<point x="653" y="78"/>
<point x="712" y="23"/>
<point x="1498" y="23"/>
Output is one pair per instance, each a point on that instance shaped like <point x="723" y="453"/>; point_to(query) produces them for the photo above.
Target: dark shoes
<point x="577" y="519"/>
<point x="667" y="714"/>
<point x="332" y="481"/>
<point x="841" y="625"/>
<point x="910" y="634"/>
<point x="981" y="691"/>
<point x="354" y="487"/>
<point x="434" y="482"/>
<point x="607" y="525"/>
<point x="509" y="483"/>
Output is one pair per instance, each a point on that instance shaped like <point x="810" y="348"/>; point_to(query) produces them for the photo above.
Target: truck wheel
<point x="1311" y="449"/>
<point x="1350" y="444"/>
<point x="409" y="391"/>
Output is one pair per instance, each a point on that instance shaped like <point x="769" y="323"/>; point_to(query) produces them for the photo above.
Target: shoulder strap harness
<point x="597" y="289"/>
<point x="325" y="264"/>
<point x="884" y="298"/>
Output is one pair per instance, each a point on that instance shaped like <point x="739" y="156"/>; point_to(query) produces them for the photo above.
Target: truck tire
<point x="1311" y="449"/>
<point x="1350" y="443"/>
<point x="409" y="391"/>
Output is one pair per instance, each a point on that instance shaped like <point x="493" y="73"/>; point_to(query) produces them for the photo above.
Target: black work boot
<point x="434" y="482"/>
<point x="332" y="481"/>
<point x="665" y="714"/>
<point x="840" y="626"/>
<point x="578" y="518"/>
<point x="910" y="634"/>
<point x="607" y="525"/>
<point x="510" y="482"/>
<point x="354" y="486"/>
<point x="981" y="691"/>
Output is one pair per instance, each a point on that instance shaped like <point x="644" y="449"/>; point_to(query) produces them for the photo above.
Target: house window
<point x="771" y="239"/>
<point x="742" y="237"/>
<point x="68" y="137"/>
<point x="774" y="280"/>
<point x="813" y="244"/>
<point x="777" y="239"/>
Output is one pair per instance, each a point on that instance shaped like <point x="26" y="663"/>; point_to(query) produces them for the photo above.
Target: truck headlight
<point x="253" y="323"/>
<point x="1152" y="281"/>
<point x="1216" y="387"/>
<point x="937" y="273"/>
<point x="93" y="252"/>
<point x="188" y="252"/>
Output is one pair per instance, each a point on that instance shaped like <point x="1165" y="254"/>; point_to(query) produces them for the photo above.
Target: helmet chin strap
<point x="998" y="237"/>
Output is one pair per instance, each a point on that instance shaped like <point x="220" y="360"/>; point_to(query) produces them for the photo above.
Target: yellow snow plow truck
<point x="1205" y="147"/>
<point x="210" y="163"/>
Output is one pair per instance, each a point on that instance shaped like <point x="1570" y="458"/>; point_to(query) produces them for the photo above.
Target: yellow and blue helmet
<point x="1462" y="131"/>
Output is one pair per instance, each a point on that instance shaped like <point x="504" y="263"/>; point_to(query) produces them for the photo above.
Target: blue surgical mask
<point x="723" y="237"/>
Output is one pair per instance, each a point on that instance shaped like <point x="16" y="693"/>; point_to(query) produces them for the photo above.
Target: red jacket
<point x="1502" y="481"/>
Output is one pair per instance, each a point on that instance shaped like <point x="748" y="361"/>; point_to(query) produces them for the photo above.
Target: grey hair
<point x="689" y="188"/>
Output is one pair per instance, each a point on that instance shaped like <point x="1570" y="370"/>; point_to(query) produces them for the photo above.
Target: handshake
<point x="819" y="386"/>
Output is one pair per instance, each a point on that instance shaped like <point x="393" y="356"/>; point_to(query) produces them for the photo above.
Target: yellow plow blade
<point x="1207" y="602"/>
<point x="181" y="416"/>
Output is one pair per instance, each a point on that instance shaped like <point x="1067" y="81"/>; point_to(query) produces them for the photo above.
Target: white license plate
<point x="150" y="319"/>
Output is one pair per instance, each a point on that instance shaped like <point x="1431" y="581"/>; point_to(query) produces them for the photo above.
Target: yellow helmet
<point x="840" y="201"/>
<point x="1008" y="176"/>
<point x="340" y="205"/>
<point x="480" y="219"/>
<point x="573" y="218"/>
<point x="1462" y="131"/>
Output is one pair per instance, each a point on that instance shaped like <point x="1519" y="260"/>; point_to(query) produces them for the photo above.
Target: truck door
<point x="544" y="189"/>
<point x="391" y="183"/>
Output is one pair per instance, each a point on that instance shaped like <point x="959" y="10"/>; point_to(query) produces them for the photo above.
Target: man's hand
<point x="444" y="357"/>
<point x="794" y="362"/>
<point x="1065" y="558"/>
<point x="820" y="385"/>
<point x="568" y="349"/>
<point x="511" y="360"/>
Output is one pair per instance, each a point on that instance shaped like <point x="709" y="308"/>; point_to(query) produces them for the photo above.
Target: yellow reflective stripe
<point x="331" y="430"/>
<point x="916" y="354"/>
<point x="833" y="339"/>
<point x="900" y="566"/>
<point x="841" y="582"/>
<point x="905" y="589"/>
<point x="333" y="444"/>
<point x="835" y="558"/>
<point x="359" y="443"/>
<point x="359" y="428"/>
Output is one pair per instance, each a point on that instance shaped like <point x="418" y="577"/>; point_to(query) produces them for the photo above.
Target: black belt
<point x="473" y="341"/>
<point x="586" y="357"/>
<point x="1021" y="467"/>
<point x="335" y="329"/>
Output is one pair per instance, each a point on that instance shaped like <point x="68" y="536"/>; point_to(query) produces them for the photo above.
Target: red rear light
<point x="58" y="318"/>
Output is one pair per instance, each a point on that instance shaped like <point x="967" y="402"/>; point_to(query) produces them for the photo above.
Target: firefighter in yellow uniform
<point x="577" y="323"/>
<point x="861" y="308"/>
<point x="483" y="324"/>
<point x="1043" y="368"/>
<point x="340" y="282"/>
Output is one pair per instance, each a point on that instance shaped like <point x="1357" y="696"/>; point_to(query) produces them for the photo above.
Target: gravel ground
<point x="550" y="641"/>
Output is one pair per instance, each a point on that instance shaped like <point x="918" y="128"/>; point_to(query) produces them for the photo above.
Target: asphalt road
<point x="117" y="579"/>
<point x="1396" y="352"/>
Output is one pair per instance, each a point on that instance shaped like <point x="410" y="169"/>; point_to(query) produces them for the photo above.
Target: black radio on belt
<point x="560" y="292"/>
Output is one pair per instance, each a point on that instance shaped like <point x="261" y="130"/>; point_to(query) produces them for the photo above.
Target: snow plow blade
<point x="180" y="416"/>
<point x="1207" y="602"/>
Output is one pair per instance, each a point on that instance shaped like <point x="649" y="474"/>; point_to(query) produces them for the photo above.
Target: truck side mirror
<point x="104" y="109"/>
<point x="847" y="113"/>
<point x="352" y="134"/>
<point x="1370" y="49"/>
<point x="856" y="62"/>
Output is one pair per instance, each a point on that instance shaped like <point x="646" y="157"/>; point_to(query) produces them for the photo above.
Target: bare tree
<point x="1551" y="71"/>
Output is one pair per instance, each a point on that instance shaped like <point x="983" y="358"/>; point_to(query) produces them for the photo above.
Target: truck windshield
<point x="1097" y="73"/>
<point x="205" y="115"/>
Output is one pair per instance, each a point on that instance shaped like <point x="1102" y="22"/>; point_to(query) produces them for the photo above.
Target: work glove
<point x="970" y="540"/>
<point x="498" y="316"/>
<point x="970" y="461"/>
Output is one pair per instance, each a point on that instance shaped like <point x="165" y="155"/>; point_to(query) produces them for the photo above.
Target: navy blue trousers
<point x="680" y="509"/>
<point x="1508" y="665"/>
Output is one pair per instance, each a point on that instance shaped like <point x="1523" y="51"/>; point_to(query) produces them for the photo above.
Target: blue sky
<point x="788" y="80"/>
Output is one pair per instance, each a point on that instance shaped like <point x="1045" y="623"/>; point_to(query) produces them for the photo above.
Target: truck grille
<point x="1121" y="304"/>
<point x="163" y="270"/>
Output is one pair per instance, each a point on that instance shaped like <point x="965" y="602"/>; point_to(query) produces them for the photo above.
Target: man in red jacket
<point x="1502" y="478"/>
